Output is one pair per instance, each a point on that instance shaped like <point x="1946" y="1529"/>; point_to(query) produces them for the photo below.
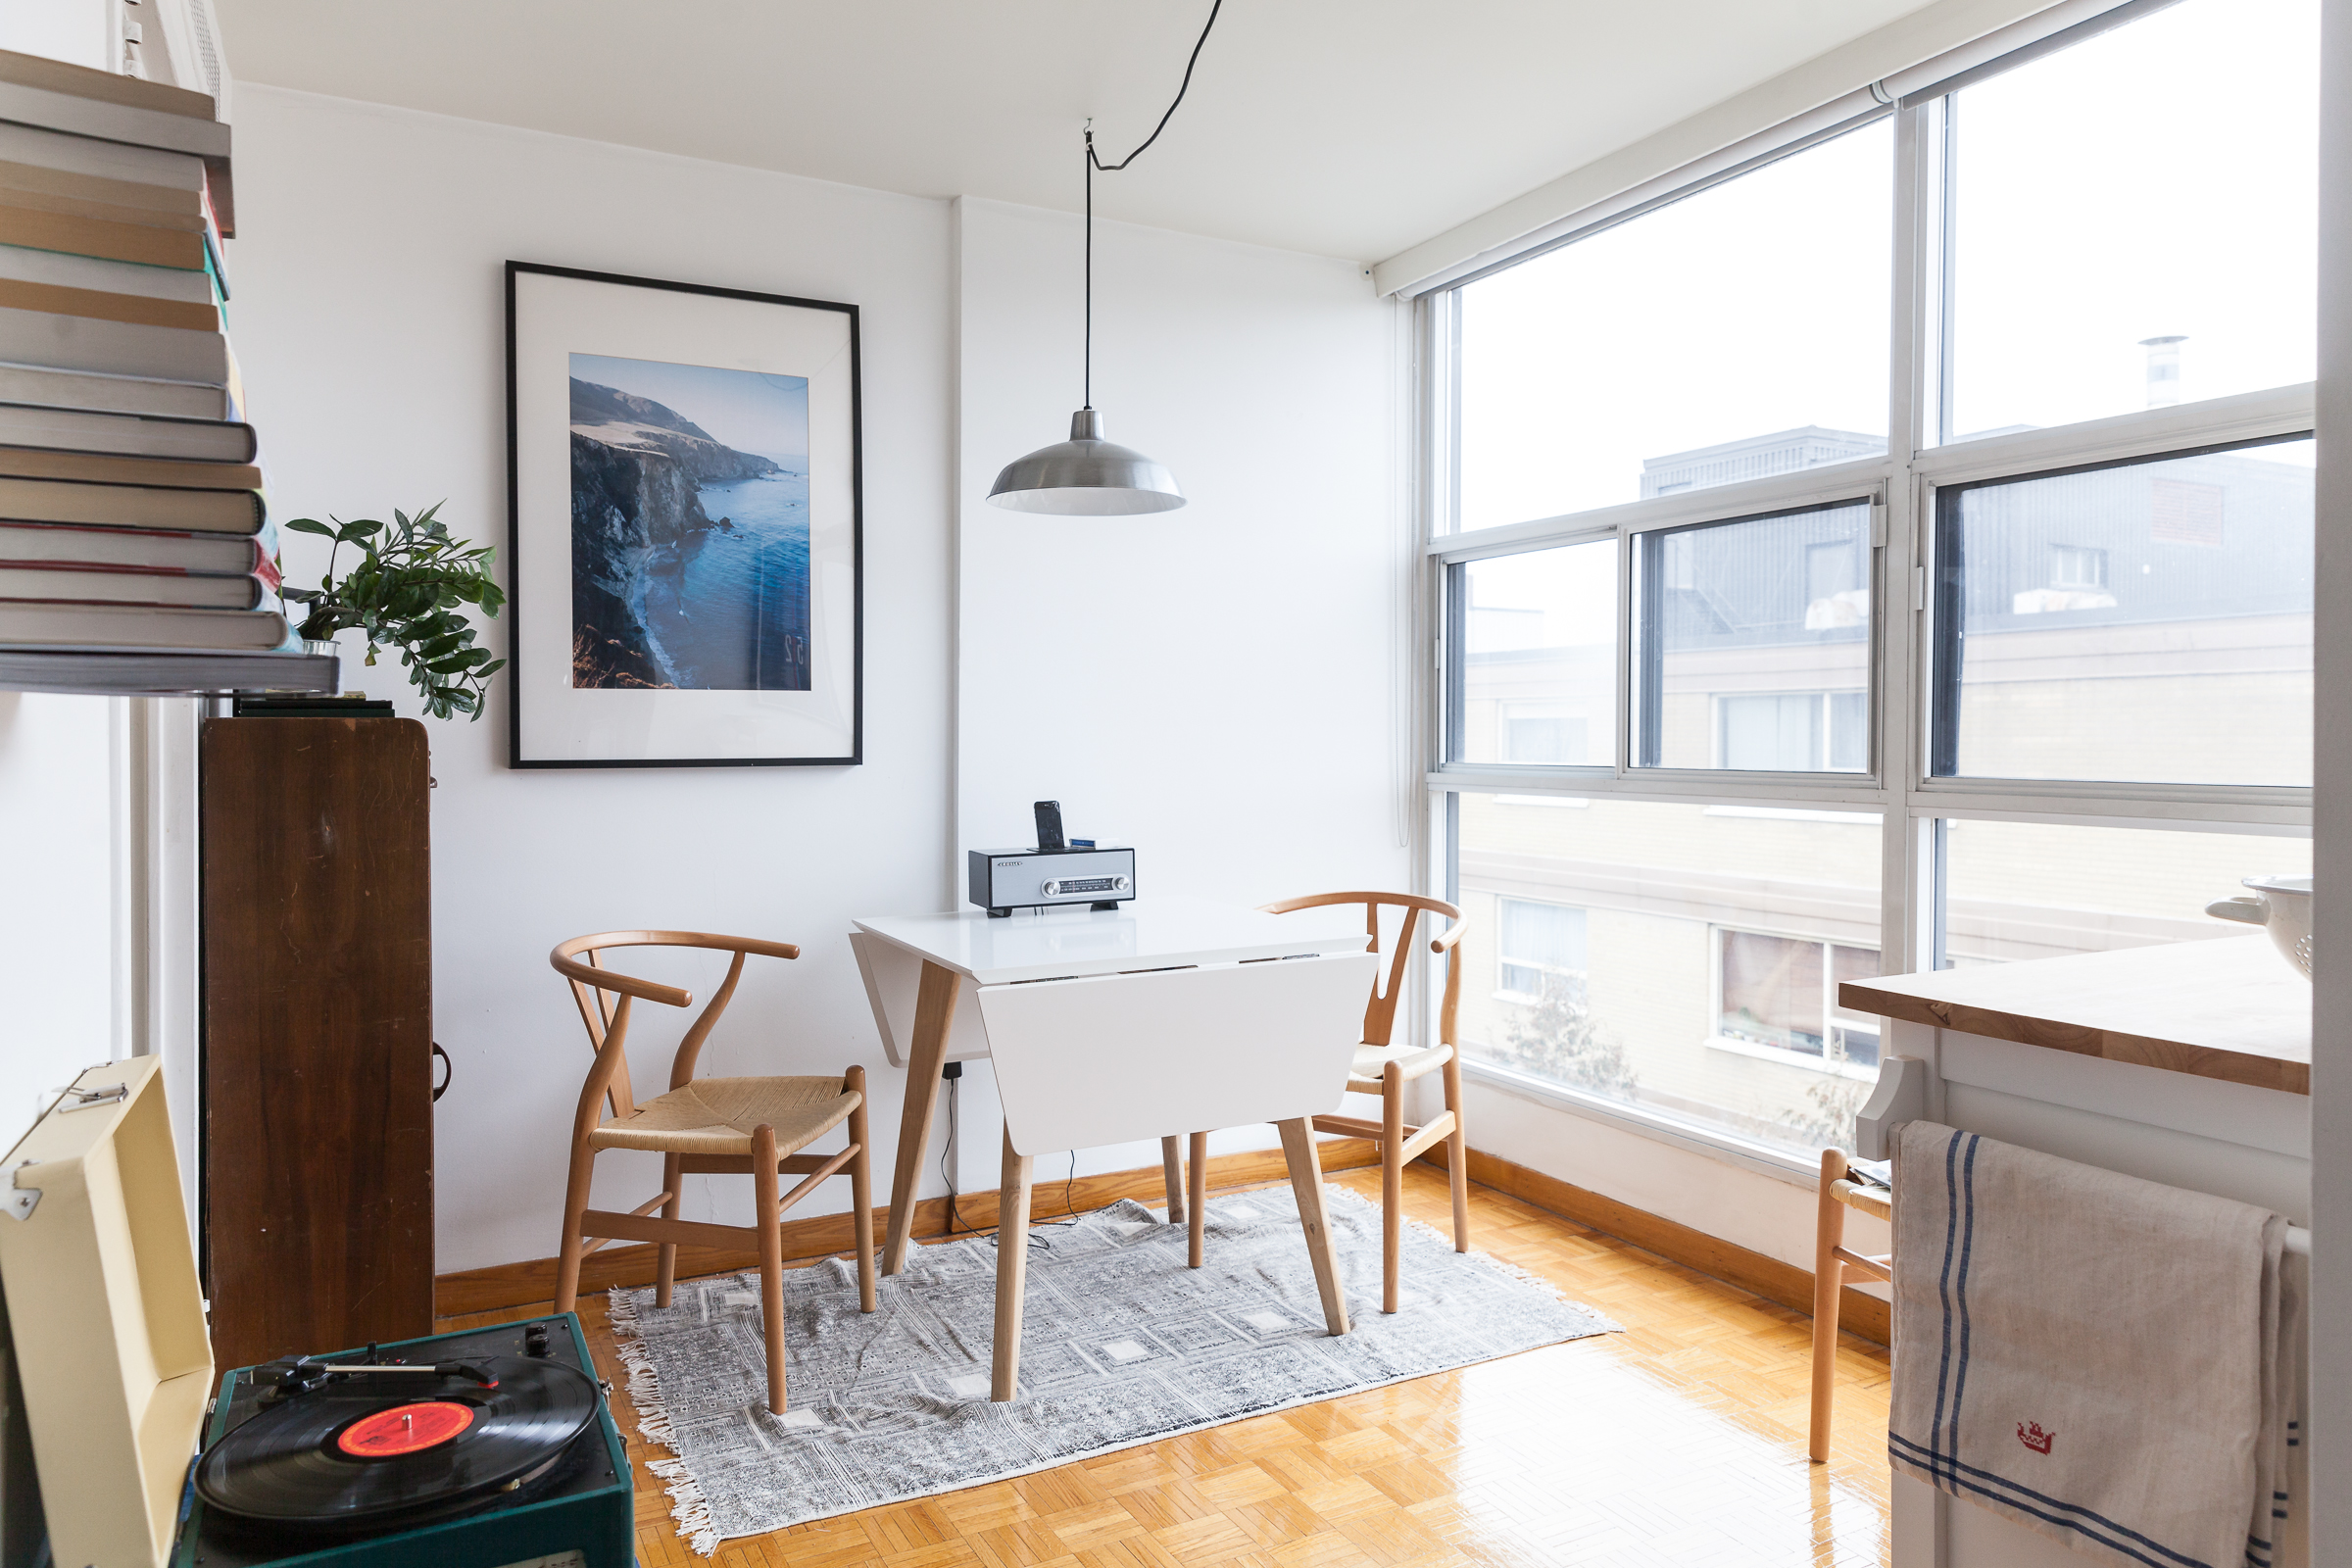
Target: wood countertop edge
<point x="2167" y="1056"/>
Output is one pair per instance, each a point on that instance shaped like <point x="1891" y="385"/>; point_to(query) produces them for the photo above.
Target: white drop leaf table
<point x="1161" y="1017"/>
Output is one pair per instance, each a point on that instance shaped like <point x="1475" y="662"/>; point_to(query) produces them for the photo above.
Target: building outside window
<point x="1540" y="944"/>
<point x="2041" y="686"/>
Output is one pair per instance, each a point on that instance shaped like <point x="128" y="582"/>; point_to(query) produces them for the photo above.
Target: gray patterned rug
<point x="1122" y="1345"/>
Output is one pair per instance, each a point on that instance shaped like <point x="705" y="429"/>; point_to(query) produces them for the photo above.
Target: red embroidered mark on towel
<point x="2033" y="1437"/>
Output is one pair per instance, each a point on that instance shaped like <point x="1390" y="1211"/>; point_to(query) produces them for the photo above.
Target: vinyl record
<point x="374" y="1451"/>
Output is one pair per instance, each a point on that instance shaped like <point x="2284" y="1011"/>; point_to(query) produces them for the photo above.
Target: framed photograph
<point x="685" y="499"/>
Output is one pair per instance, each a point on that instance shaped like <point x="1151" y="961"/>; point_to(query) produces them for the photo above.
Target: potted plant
<point x="404" y="592"/>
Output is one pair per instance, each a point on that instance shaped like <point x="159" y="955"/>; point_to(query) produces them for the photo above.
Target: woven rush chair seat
<point x="717" y="1117"/>
<point x="1367" y="1073"/>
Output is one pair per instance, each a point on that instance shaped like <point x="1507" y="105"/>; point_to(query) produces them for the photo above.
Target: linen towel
<point x="2102" y="1359"/>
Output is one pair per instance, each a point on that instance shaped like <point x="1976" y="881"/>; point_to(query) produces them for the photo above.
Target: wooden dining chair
<point x="1379" y="1068"/>
<point x="751" y="1127"/>
<point x="1832" y="1258"/>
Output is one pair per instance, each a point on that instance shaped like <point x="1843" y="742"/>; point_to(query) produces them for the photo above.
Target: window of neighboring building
<point x="1793" y="732"/>
<point x="1781" y="992"/>
<point x="2077" y="566"/>
<point x="1539" y="942"/>
<point x="1546" y="733"/>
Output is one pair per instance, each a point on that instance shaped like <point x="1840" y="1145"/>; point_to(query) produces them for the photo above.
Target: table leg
<point x="1197" y="1236"/>
<point x="1306" y="1181"/>
<point x="1172" y="1172"/>
<point x="934" y="1013"/>
<point x="1013" y="1272"/>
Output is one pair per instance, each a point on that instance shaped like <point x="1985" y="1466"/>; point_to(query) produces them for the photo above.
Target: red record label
<point x="405" y="1429"/>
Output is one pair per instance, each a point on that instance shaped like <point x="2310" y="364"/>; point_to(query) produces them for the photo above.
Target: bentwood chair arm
<point x="604" y="979"/>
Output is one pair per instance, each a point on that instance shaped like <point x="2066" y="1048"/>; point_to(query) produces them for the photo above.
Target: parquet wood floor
<point x="1681" y="1440"/>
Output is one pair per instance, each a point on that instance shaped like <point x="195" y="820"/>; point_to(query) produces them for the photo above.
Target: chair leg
<point x="1457" y="1155"/>
<point x="1829" y="1278"/>
<point x="576" y="1205"/>
<point x="1391" y="1181"/>
<point x="767" y="1215"/>
<point x="672" y="1178"/>
<point x="1171" y="1170"/>
<point x="1198" y="1219"/>
<point x="862" y="1190"/>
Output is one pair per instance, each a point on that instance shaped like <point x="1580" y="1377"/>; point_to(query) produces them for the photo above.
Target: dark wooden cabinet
<point x="317" y="1157"/>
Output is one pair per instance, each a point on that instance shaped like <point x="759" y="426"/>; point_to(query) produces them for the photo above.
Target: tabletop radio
<point x="1092" y="876"/>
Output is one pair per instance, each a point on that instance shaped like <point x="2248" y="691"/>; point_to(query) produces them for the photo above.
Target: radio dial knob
<point x="1050" y="889"/>
<point x="1119" y="883"/>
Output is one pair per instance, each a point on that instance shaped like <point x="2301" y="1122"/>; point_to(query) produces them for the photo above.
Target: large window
<point x="1737" y="332"/>
<point x="1732" y="703"/>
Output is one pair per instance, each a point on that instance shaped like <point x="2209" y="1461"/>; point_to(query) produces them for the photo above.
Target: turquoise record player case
<point x="580" y="1514"/>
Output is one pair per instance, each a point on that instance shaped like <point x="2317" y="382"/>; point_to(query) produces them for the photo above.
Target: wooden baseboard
<point x="1865" y="1317"/>
<point x="484" y="1289"/>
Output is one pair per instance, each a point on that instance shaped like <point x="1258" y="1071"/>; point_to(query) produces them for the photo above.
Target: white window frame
<point x="1902" y="489"/>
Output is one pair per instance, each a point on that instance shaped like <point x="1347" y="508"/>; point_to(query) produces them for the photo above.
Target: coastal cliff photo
<point x="689" y="527"/>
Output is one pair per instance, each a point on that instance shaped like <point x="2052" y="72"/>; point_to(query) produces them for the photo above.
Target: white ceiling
<point x="1344" y="127"/>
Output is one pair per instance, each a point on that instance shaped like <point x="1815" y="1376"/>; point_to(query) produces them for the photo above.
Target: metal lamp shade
<point x="1086" y="476"/>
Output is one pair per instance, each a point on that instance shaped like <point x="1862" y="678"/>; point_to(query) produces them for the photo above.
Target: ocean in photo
<point x="726" y="608"/>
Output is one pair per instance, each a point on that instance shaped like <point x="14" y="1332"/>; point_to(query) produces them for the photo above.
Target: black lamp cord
<point x="954" y="1094"/>
<point x="1094" y="163"/>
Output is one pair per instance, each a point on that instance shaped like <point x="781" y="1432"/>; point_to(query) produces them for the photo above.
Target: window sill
<point x="1731" y="1149"/>
<point x="1793" y="1058"/>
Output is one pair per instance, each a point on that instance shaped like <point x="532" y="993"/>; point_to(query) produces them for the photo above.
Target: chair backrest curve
<point x="1380" y="1013"/>
<point x="580" y="960"/>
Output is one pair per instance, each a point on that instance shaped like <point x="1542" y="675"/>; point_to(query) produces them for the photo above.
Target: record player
<point x="486" y="1448"/>
<point x="475" y="1449"/>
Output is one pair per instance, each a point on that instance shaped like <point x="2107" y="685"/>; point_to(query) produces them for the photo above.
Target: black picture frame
<point x="526" y="601"/>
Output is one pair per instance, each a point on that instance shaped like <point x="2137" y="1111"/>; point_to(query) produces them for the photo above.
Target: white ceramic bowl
<point x="2281" y="906"/>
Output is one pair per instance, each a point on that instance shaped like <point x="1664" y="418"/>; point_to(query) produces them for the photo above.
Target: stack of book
<point x="131" y="510"/>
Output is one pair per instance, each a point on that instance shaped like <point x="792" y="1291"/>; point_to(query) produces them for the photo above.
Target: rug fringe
<point x="690" y="1510"/>
<point x="688" y="1507"/>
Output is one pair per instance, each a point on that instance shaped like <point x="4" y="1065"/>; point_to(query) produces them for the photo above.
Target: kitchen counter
<point x="2186" y="1063"/>
<point x="2229" y="1009"/>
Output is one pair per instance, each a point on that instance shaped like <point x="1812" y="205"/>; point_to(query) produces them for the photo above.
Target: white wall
<point x="368" y="316"/>
<point x="57" y="935"/>
<point x="1213" y="685"/>
<point x="73" y="30"/>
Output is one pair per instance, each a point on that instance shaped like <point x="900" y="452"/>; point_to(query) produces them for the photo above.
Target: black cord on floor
<point x="946" y="1172"/>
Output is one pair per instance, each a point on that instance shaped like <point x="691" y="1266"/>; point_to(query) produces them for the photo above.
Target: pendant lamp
<point x="1088" y="476"/>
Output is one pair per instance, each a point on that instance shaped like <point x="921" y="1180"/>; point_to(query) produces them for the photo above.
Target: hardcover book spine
<point x="139" y="127"/>
<point x="116" y="348"/>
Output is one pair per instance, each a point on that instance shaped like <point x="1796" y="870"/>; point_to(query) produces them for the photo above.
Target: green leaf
<point x="311" y="525"/>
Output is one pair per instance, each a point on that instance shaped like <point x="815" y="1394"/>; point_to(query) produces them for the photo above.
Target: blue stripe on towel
<point x="1968" y="1240"/>
<point x="1943" y="1292"/>
<point x="1950" y="1468"/>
